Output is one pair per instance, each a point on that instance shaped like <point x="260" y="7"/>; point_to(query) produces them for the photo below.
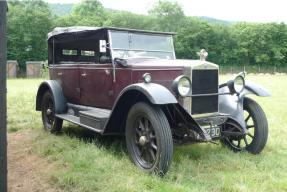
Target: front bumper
<point x="214" y="119"/>
<point x="212" y="124"/>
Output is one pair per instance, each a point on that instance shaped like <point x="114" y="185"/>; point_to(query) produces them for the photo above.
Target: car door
<point x="68" y="77"/>
<point x="96" y="84"/>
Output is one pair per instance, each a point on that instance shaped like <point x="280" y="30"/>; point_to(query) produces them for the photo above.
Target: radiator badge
<point x="202" y="54"/>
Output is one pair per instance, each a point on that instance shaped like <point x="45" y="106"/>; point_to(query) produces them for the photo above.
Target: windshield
<point x="127" y="45"/>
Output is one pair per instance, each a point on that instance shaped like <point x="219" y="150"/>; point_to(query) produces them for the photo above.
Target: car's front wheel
<point x="50" y="122"/>
<point x="148" y="138"/>
<point x="257" y="129"/>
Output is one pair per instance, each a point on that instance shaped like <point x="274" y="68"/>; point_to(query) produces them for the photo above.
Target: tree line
<point x="236" y="44"/>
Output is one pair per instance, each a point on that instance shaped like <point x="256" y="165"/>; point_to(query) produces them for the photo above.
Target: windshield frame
<point x="147" y="50"/>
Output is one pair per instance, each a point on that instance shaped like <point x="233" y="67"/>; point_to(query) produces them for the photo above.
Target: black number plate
<point x="213" y="131"/>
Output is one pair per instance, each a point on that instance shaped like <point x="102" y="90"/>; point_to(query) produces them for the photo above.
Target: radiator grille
<point x="204" y="82"/>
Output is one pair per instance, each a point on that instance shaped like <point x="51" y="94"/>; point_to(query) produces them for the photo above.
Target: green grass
<point x="88" y="162"/>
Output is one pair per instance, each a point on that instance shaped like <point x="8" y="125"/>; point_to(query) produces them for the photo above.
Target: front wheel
<point x="257" y="129"/>
<point x="148" y="138"/>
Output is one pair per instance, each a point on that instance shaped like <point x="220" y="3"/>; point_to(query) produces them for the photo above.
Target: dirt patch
<point x="27" y="172"/>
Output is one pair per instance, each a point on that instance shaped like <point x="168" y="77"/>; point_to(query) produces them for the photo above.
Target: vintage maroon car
<point x="125" y="81"/>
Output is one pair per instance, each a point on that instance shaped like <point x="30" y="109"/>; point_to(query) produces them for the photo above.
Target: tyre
<point x="50" y="122"/>
<point x="257" y="130"/>
<point x="148" y="138"/>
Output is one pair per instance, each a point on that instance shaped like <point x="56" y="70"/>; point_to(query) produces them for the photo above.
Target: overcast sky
<point x="233" y="10"/>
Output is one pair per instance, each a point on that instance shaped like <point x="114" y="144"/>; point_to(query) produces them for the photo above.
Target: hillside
<point x="216" y="21"/>
<point x="61" y="9"/>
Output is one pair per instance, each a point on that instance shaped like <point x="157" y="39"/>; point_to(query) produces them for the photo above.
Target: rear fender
<point x="55" y="88"/>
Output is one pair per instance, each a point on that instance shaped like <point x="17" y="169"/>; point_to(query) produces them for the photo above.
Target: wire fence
<point x="44" y="73"/>
<point x="252" y="69"/>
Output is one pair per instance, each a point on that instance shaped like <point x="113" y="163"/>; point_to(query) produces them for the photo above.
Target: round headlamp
<point x="182" y="86"/>
<point x="239" y="84"/>
<point x="236" y="85"/>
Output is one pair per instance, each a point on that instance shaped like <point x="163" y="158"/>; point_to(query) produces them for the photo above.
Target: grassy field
<point x="88" y="162"/>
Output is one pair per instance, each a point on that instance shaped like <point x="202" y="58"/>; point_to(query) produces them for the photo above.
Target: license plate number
<point x="213" y="131"/>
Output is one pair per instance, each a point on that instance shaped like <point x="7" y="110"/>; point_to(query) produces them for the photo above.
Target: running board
<point x="96" y="118"/>
<point x="76" y="120"/>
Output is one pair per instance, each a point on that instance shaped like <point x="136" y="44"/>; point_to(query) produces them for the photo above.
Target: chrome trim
<point x="139" y="32"/>
<point x="143" y="50"/>
<point x="187" y="104"/>
<point x="187" y="101"/>
<point x="111" y="52"/>
<point x="203" y="115"/>
<point x="174" y="56"/>
<point x="209" y="94"/>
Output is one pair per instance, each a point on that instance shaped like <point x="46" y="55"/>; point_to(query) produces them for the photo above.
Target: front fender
<point x="156" y="94"/>
<point x="151" y="92"/>
<point x="233" y="104"/>
<point x="253" y="88"/>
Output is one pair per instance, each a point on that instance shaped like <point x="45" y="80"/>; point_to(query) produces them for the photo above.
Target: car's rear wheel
<point x="50" y="122"/>
<point x="257" y="129"/>
<point x="148" y="138"/>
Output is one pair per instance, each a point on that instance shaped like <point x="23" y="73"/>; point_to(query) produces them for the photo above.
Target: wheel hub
<point x="143" y="140"/>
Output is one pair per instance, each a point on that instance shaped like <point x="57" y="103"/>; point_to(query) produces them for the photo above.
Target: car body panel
<point x="67" y="75"/>
<point x="232" y="105"/>
<point x="96" y="85"/>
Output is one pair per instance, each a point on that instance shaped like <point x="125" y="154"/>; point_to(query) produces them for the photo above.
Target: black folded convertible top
<point x="83" y="29"/>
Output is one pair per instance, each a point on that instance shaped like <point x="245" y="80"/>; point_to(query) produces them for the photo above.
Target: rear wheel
<point x="257" y="129"/>
<point x="50" y="122"/>
<point x="148" y="138"/>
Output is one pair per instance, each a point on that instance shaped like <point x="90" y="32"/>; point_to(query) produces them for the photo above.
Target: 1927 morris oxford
<point x="125" y="81"/>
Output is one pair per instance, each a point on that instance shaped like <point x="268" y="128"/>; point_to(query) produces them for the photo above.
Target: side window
<point x="78" y="55"/>
<point x="88" y="56"/>
<point x="69" y="52"/>
<point x="88" y="53"/>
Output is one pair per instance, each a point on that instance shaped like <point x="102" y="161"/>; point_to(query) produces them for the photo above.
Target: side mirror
<point x="121" y="62"/>
<point x="103" y="46"/>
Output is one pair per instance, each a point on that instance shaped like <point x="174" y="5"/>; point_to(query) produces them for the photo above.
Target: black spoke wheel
<point x="148" y="138"/>
<point x="257" y="129"/>
<point x="50" y="122"/>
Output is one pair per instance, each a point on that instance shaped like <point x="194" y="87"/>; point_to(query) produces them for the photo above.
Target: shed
<point x="34" y="69"/>
<point x="12" y="68"/>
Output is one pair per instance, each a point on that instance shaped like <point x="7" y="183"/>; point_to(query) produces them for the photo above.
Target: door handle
<point x="84" y="74"/>
<point x="60" y="74"/>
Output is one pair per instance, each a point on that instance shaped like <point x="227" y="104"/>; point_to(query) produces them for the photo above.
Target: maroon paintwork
<point x="93" y="85"/>
<point x="68" y="77"/>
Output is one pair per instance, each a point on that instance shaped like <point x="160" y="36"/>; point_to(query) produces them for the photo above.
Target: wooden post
<point x="3" y="105"/>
